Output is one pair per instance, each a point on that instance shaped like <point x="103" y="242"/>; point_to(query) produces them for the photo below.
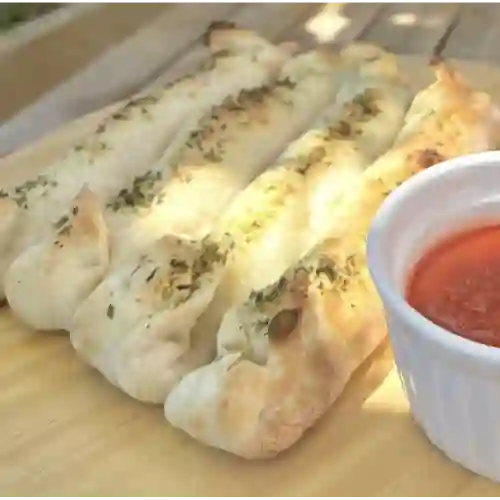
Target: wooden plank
<point x="297" y="31"/>
<point x="270" y="20"/>
<point x="39" y="65"/>
<point x="341" y="23"/>
<point x="411" y="28"/>
<point x="477" y="35"/>
<point x="25" y="33"/>
<point x="120" y="71"/>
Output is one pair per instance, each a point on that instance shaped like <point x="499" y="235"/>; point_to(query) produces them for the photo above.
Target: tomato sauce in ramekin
<point x="456" y="284"/>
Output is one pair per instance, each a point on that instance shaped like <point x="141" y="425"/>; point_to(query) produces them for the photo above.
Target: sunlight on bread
<point x="286" y="354"/>
<point x="205" y="246"/>
<point x="230" y="148"/>
<point x="242" y="63"/>
<point x="275" y="215"/>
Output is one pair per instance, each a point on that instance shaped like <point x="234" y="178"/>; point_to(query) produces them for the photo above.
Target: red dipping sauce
<point x="456" y="285"/>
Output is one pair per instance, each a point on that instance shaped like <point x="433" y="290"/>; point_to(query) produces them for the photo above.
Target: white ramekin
<point x="452" y="384"/>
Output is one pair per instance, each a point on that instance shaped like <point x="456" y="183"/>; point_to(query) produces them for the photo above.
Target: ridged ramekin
<point x="452" y="384"/>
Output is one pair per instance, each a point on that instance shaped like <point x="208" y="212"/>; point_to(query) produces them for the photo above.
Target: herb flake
<point x="110" y="313"/>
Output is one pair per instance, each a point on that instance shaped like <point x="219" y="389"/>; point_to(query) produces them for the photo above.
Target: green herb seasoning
<point x="151" y="275"/>
<point x="144" y="103"/>
<point x="20" y="194"/>
<point x="141" y="194"/>
<point x="202" y="141"/>
<point x="313" y="157"/>
<point x="271" y="292"/>
<point x="331" y="274"/>
<point x="110" y="312"/>
<point x="341" y="130"/>
<point x="120" y="115"/>
<point x="61" y="222"/>
<point x="367" y="103"/>
<point x="361" y="109"/>
<point x="63" y="225"/>
<point x="183" y="277"/>
<point x="211" y="256"/>
<point x="286" y="83"/>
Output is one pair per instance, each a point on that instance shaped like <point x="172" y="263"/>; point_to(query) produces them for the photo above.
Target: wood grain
<point x="412" y="28"/>
<point x="340" y="23"/>
<point x="107" y="52"/>
<point x="66" y="431"/>
<point x="269" y="20"/>
<point x="477" y="36"/>
<point x="27" y="73"/>
<point x="109" y="77"/>
<point x="38" y="28"/>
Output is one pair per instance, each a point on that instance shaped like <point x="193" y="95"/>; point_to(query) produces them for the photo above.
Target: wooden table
<point x="80" y="58"/>
<point x="64" y="430"/>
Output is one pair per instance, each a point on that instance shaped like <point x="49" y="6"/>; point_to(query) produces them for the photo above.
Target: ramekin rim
<point x="389" y="295"/>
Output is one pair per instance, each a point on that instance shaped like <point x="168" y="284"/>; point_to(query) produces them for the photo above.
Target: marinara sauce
<point x="456" y="285"/>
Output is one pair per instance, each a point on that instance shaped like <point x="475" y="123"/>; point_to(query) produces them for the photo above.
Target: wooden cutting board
<point x="65" y="431"/>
